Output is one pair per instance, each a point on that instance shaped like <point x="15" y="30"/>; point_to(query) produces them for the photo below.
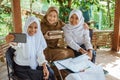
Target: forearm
<point x="90" y="53"/>
<point x="45" y="71"/>
<point x="73" y="45"/>
<point x="41" y="58"/>
<point x="81" y="50"/>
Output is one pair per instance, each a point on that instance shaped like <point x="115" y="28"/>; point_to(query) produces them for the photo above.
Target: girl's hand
<point x="82" y="51"/>
<point x="90" y="54"/>
<point x="9" y="38"/>
<point x="45" y="72"/>
<point x="47" y="35"/>
<point x="86" y="26"/>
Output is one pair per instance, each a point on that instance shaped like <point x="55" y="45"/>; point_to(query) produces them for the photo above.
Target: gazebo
<point x="17" y="23"/>
<point x="106" y="58"/>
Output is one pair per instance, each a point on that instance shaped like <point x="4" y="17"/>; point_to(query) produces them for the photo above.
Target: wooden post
<point x="116" y="34"/>
<point x="16" y="11"/>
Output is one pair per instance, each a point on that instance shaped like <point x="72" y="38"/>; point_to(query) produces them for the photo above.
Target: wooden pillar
<point x="116" y="34"/>
<point x="16" y="11"/>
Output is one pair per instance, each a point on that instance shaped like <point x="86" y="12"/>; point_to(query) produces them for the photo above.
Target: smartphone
<point x="19" y="37"/>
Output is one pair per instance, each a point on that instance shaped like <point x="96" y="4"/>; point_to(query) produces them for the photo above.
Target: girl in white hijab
<point x="76" y="36"/>
<point x="78" y="40"/>
<point x="30" y="62"/>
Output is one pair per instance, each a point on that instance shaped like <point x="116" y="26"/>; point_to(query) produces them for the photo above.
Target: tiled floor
<point x="108" y="59"/>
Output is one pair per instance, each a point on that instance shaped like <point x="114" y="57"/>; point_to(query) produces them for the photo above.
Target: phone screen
<point x="19" y="37"/>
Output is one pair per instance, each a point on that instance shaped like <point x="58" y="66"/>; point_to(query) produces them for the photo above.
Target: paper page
<point x="59" y="66"/>
<point x="80" y="58"/>
<point x="75" y="67"/>
<point x="76" y="64"/>
<point x="93" y="73"/>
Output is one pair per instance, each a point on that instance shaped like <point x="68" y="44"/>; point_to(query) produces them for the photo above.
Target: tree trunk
<point x="69" y="3"/>
<point x="109" y="16"/>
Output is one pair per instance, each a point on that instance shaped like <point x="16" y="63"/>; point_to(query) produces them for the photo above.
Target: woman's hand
<point x="45" y="72"/>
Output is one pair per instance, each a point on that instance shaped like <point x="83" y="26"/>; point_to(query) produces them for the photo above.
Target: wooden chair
<point x="10" y="64"/>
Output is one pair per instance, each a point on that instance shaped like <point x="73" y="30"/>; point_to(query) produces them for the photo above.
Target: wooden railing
<point x="3" y="48"/>
<point x="102" y="38"/>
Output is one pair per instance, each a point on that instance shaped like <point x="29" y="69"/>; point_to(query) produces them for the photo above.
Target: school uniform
<point x="77" y="36"/>
<point x="53" y="52"/>
<point x="29" y="56"/>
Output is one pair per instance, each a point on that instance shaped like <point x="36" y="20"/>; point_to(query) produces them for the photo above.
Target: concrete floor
<point x="109" y="60"/>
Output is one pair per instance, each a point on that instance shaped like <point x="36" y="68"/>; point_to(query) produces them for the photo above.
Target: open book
<point x="90" y="71"/>
<point x="76" y="64"/>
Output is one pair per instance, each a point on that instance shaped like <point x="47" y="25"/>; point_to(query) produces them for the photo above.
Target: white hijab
<point x="79" y="26"/>
<point x="35" y="43"/>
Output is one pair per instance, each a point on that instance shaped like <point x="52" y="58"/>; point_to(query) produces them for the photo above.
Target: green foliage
<point x="85" y="6"/>
<point x="64" y="13"/>
<point x="107" y="20"/>
<point x="5" y="19"/>
<point x="67" y="5"/>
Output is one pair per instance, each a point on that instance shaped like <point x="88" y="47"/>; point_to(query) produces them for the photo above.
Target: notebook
<point x="77" y="64"/>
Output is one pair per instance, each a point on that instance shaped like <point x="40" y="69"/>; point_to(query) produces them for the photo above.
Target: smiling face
<point x="74" y="20"/>
<point x="32" y="29"/>
<point x="52" y="17"/>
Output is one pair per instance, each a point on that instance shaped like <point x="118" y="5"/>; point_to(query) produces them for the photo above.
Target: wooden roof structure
<point x="17" y="22"/>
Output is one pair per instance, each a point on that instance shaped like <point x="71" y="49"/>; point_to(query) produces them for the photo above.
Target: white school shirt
<point x="23" y="59"/>
<point x="31" y="52"/>
<point x="76" y="37"/>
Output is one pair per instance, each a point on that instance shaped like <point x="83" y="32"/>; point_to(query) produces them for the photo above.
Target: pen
<point x="85" y="69"/>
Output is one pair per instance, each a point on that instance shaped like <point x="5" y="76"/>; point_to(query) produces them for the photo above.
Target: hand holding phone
<point x="9" y="38"/>
<point x="16" y="37"/>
